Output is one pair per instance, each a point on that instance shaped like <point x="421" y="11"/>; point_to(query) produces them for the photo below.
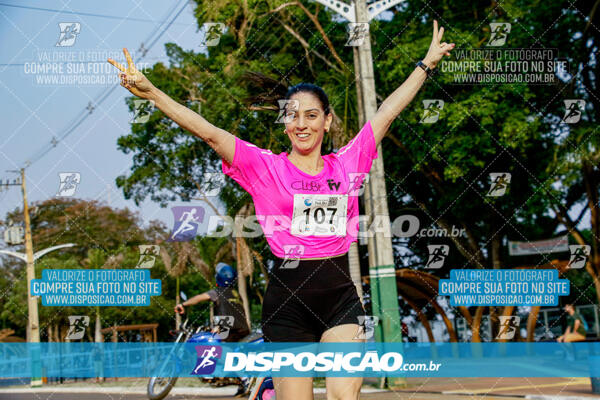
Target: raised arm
<point x="403" y="95"/>
<point x="220" y="140"/>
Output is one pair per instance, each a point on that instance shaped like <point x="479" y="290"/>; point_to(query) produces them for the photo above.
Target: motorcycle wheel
<point x="159" y="387"/>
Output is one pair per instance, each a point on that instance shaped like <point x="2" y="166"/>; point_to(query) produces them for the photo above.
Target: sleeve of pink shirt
<point x="250" y="164"/>
<point x="359" y="153"/>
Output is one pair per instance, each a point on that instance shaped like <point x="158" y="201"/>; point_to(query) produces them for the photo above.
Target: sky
<point x="36" y="109"/>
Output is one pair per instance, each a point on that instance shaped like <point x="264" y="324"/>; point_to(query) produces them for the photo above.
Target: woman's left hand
<point x="437" y="50"/>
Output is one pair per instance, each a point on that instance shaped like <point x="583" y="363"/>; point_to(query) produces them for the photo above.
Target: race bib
<point x="319" y="214"/>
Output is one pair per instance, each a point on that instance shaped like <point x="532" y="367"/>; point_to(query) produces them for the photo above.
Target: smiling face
<point x="306" y="123"/>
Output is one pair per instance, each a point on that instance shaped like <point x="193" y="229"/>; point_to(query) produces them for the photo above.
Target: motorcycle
<point x="161" y="384"/>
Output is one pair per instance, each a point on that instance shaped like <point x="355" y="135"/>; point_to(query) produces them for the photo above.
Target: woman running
<point x="304" y="202"/>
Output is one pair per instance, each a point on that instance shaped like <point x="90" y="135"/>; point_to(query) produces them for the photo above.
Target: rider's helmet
<point x="225" y="274"/>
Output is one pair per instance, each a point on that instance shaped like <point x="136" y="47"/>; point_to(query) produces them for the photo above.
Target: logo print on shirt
<point x="333" y="184"/>
<point x="311" y="186"/>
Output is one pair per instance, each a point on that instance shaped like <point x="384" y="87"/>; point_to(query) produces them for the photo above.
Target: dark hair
<point x="314" y="90"/>
<point x="271" y="90"/>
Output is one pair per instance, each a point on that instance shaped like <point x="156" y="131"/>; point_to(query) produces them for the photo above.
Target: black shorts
<point x="305" y="299"/>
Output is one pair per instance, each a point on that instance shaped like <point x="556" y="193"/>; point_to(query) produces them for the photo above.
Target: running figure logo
<point x="68" y="33"/>
<point x="508" y="326"/>
<point x="287" y="111"/>
<point x="148" y="255"/>
<point x="207" y="359"/>
<point x="437" y="255"/>
<point x="366" y="326"/>
<point x="573" y="110"/>
<point x="357" y="32"/>
<point x="579" y="255"/>
<point x="77" y="325"/>
<point x="68" y="183"/>
<point x="500" y="31"/>
<point x="212" y="33"/>
<point x="500" y="181"/>
<point x="291" y="256"/>
<point x="142" y="109"/>
<point x="187" y="219"/>
<point x="224" y="323"/>
<point x="212" y="183"/>
<point x="431" y="112"/>
<point x="357" y="183"/>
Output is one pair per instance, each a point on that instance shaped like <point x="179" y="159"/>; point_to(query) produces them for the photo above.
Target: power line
<point x="78" y="120"/>
<point x="86" y="14"/>
<point x="66" y="62"/>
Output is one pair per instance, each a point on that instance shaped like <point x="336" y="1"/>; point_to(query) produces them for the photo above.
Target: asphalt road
<point x="113" y="396"/>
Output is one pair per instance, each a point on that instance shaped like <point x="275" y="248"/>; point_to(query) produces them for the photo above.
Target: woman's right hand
<point x="179" y="309"/>
<point x="132" y="79"/>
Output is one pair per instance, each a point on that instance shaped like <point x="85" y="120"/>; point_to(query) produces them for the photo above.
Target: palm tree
<point x="176" y="269"/>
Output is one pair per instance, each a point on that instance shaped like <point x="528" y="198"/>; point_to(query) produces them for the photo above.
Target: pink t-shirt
<point x="273" y="181"/>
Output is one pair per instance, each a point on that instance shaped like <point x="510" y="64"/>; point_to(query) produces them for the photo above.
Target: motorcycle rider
<point x="227" y="304"/>
<point x="227" y="301"/>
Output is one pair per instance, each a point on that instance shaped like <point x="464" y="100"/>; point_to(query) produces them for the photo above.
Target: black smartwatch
<point x="428" y="71"/>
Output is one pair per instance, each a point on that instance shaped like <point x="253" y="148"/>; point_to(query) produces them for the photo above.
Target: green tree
<point x="438" y="171"/>
<point x="103" y="238"/>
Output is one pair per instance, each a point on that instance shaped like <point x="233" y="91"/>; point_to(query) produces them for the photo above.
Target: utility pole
<point x="33" y="327"/>
<point x="384" y="292"/>
<point x="33" y="324"/>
